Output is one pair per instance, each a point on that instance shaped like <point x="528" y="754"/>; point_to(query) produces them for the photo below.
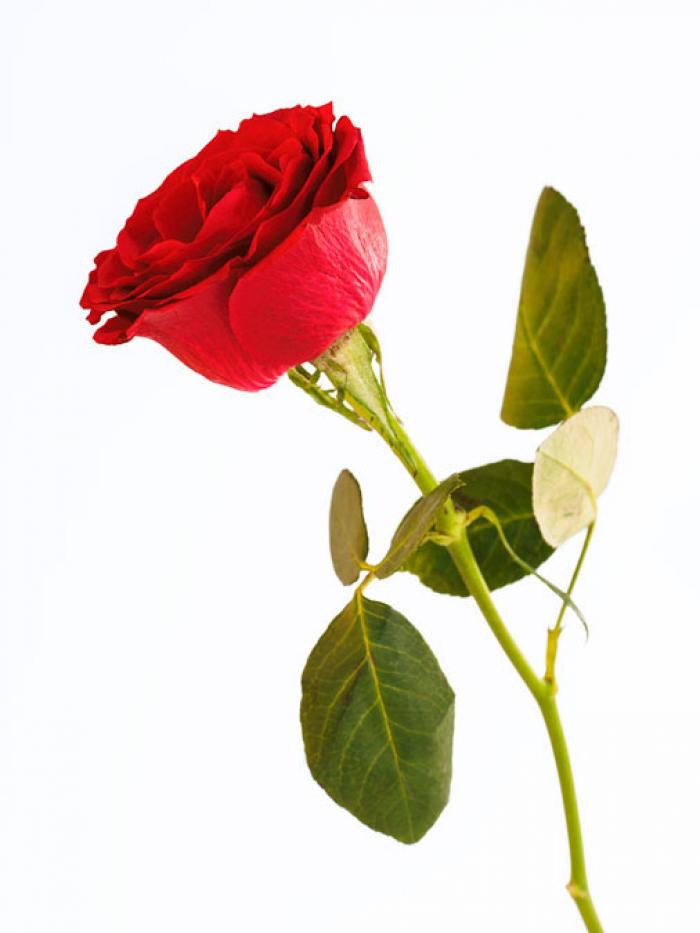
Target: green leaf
<point x="347" y="529"/>
<point x="378" y="715"/>
<point x="560" y="341"/>
<point x="414" y="526"/>
<point x="572" y="468"/>
<point x="506" y="488"/>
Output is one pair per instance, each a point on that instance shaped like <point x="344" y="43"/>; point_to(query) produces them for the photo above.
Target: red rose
<point x="252" y="257"/>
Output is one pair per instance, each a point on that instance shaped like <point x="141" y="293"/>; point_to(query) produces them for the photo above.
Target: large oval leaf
<point x="414" y="526"/>
<point x="378" y="715"/>
<point x="505" y="487"/>
<point x="347" y="529"/>
<point x="560" y="341"/>
<point x="572" y="468"/>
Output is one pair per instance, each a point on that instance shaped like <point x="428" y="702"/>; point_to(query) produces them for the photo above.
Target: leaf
<point x="378" y="715"/>
<point x="572" y="468"/>
<point x="347" y="529"/>
<point x="414" y="526"/>
<point x="506" y="488"/>
<point x="559" y="349"/>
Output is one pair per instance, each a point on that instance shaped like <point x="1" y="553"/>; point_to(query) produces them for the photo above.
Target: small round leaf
<point x="348" y="532"/>
<point x="572" y="468"/>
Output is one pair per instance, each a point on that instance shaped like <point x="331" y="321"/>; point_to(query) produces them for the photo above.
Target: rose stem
<point x="543" y="691"/>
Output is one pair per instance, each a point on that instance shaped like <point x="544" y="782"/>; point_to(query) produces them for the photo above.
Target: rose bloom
<point x="252" y="257"/>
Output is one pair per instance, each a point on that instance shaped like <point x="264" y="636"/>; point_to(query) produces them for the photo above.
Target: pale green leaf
<point x="572" y="468"/>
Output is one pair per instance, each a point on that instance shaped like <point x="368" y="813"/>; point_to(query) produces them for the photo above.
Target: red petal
<point x="350" y="167"/>
<point x="139" y="231"/>
<point x="320" y="282"/>
<point x="197" y="332"/>
<point x="114" y="330"/>
<point x="178" y="215"/>
<point x="295" y="173"/>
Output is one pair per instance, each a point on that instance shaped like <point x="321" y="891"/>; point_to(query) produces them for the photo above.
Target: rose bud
<point x="252" y="257"/>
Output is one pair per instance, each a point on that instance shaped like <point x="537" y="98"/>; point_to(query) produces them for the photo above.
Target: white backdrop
<point x="164" y="566"/>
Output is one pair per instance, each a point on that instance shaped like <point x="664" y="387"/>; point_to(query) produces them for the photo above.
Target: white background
<point x="164" y="566"/>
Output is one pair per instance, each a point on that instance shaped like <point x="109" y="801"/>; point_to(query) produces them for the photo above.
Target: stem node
<point x="576" y="892"/>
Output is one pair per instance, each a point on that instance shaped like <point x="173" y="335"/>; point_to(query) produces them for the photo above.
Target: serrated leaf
<point x="559" y="349"/>
<point x="506" y="488"/>
<point x="378" y="716"/>
<point x="414" y="526"/>
<point x="572" y="468"/>
<point x="349" y="541"/>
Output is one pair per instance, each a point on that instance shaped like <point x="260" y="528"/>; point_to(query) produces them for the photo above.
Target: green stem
<point x="349" y="366"/>
<point x="578" y="885"/>
<point x="542" y="691"/>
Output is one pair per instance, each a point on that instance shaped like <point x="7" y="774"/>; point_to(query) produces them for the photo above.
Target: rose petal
<point x="174" y="267"/>
<point x="139" y="230"/>
<point x="197" y="332"/>
<point x="350" y="167"/>
<point x="275" y="228"/>
<point x="260" y="168"/>
<point x="261" y="133"/>
<point x="114" y="331"/>
<point x="319" y="283"/>
<point x="178" y="215"/>
<point x="291" y="182"/>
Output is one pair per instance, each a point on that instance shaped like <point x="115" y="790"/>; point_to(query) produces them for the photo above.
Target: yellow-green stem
<point x="349" y="366"/>
<point x="542" y="691"/>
